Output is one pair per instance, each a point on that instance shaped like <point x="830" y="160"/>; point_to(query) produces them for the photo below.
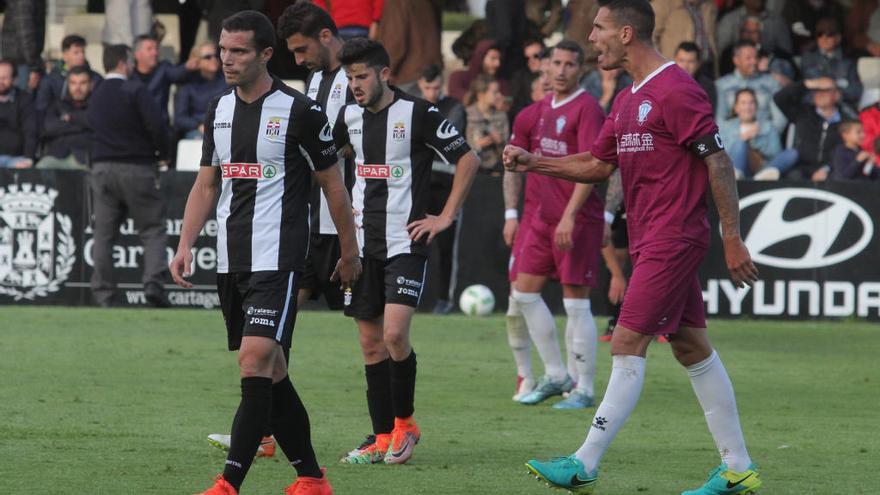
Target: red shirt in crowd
<point x="347" y="13"/>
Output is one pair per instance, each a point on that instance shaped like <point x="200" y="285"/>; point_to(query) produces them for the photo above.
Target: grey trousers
<point x="120" y="190"/>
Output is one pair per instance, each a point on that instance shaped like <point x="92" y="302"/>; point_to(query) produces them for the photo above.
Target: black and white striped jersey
<point x="265" y="150"/>
<point x="330" y="90"/>
<point x="394" y="150"/>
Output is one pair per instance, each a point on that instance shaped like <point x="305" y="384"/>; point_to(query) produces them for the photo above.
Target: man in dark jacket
<point x="52" y="87"/>
<point x="157" y="75"/>
<point x="66" y="134"/>
<point x="18" y="127"/>
<point x="815" y="125"/>
<point x="24" y="33"/>
<point x="129" y="141"/>
<point x="430" y="85"/>
<point x="192" y="98"/>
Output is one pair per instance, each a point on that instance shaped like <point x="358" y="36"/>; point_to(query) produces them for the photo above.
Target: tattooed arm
<point x="512" y="186"/>
<point x="723" y="183"/>
<point x="613" y="198"/>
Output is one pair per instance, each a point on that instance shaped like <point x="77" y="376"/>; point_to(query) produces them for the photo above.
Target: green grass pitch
<point x="120" y="402"/>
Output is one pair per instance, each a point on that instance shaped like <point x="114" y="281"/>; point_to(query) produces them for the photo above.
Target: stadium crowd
<point x="783" y="75"/>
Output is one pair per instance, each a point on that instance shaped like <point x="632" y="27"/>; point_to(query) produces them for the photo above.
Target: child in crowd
<point x="849" y="161"/>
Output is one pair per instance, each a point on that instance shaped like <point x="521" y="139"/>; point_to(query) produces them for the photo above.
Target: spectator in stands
<point x="679" y="21"/>
<point x="66" y="134"/>
<point x="508" y="26"/>
<point x="52" y="87"/>
<point x="802" y="17"/>
<point x="431" y="88"/>
<point x="544" y="17"/>
<point x="192" y="98"/>
<point x="24" y="33"/>
<point x="129" y="141"/>
<point x="355" y="18"/>
<point x="487" y="126"/>
<point x="778" y="63"/>
<point x="752" y="143"/>
<point x="158" y="76"/>
<point x="18" y="127"/>
<point x="410" y="32"/>
<point x="125" y="20"/>
<point x="815" y="125"/>
<point x="849" y="161"/>
<point x="746" y="75"/>
<point x="486" y="60"/>
<point x="828" y="60"/>
<point x="603" y="85"/>
<point x="863" y="38"/>
<point x="580" y="22"/>
<point x="774" y="29"/>
<point x="687" y="56"/>
<point x="870" y="118"/>
<point x="521" y="82"/>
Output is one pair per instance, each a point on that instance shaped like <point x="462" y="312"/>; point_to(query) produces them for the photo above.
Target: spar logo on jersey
<point x="560" y="125"/>
<point x="273" y="126"/>
<point x="248" y="171"/>
<point x="398" y="132"/>
<point x="446" y="130"/>
<point x="374" y="171"/>
<point x="644" y="110"/>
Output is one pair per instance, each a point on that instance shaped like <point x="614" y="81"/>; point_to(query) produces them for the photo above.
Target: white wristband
<point x="511" y="214"/>
<point x="609" y="217"/>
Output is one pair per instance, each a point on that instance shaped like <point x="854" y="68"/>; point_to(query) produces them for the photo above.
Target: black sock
<point x="379" y="396"/>
<point x="290" y="424"/>
<point x="248" y="427"/>
<point x="286" y="351"/>
<point x="403" y="386"/>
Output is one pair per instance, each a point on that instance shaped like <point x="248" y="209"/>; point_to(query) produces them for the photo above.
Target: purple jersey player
<point x="661" y="135"/>
<point x="564" y="236"/>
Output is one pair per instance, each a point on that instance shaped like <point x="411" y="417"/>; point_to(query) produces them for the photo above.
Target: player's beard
<point x="375" y="97"/>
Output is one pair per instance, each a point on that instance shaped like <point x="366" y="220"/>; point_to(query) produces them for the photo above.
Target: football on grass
<point x="477" y="300"/>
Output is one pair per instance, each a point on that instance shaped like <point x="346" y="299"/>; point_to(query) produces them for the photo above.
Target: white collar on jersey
<point x="651" y="76"/>
<point x="556" y="104"/>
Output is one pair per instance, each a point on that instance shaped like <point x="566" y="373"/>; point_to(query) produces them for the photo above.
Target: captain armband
<point x="707" y="145"/>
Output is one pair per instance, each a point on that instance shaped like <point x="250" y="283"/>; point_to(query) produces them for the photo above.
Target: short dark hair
<point x="306" y="19"/>
<point x="113" y="54"/>
<point x="141" y="38"/>
<point x="637" y="14"/>
<point x="72" y="40"/>
<point x="848" y="124"/>
<point x="689" y="47"/>
<point x="251" y="20"/>
<point x="77" y="70"/>
<point x="364" y="51"/>
<point x="533" y="41"/>
<point x="431" y="72"/>
<point x="571" y="46"/>
<point x="4" y="61"/>
<point x="545" y="53"/>
<point x="739" y="45"/>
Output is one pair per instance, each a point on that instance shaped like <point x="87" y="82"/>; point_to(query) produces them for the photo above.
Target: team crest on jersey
<point x="251" y="171"/>
<point x="37" y="249"/>
<point x="337" y="92"/>
<point x="398" y="133"/>
<point x="644" y="110"/>
<point x="273" y="127"/>
<point x="560" y="124"/>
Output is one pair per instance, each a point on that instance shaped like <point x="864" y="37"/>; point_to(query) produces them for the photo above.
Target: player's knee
<point x="256" y="362"/>
<point x="396" y="338"/>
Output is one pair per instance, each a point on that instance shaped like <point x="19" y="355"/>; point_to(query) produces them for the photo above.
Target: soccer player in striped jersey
<point x="311" y="36"/>
<point x="262" y="143"/>
<point x="661" y="134"/>
<point x="395" y="137"/>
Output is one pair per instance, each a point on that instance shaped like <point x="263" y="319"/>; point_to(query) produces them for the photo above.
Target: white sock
<point x="570" y="359"/>
<point x="715" y="393"/>
<point x="519" y="340"/>
<point x="621" y="396"/>
<point x="542" y="329"/>
<point x="583" y="342"/>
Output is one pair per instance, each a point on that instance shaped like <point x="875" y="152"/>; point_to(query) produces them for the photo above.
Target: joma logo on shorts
<point x="407" y="292"/>
<point x="266" y="322"/>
